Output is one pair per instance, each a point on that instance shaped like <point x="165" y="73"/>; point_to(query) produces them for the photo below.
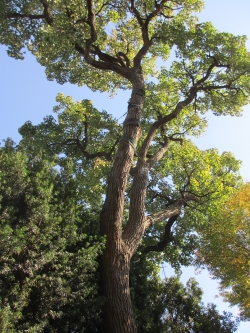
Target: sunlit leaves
<point x="52" y="36"/>
<point x="225" y="248"/>
<point x="80" y="128"/>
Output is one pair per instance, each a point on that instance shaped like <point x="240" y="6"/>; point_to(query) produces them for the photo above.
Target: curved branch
<point x="107" y="156"/>
<point x="108" y="62"/>
<point x="156" y="125"/>
<point x="144" y="23"/>
<point x="154" y="159"/>
<point x="167" y="237"/>
<point x="104" y="65"/>
<point x="47" y="14"/>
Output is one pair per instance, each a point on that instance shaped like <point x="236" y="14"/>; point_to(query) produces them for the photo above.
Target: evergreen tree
<point x="153" y="184"/>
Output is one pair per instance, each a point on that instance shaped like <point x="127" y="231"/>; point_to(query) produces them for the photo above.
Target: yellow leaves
<point x="98" y="163"/>
<point x="225" y="247"/>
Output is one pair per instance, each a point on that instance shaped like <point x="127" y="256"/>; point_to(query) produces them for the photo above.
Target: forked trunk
<point x="118" y="312"/>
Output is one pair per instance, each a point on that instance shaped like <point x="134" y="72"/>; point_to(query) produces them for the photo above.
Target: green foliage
<point x="49" y="247"/>
<point x="195" y="50"/>
<point x="117" y="31"/>
<point x="169" y="306"/>
<point x="53" y="184"/>
<point x="206" y="175"/>
<point x="51" y="196"/>
<point x="186" y="313"/>
<point x="82" y="140"/>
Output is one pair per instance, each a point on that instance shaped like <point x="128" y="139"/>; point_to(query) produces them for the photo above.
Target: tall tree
<point x="71" y="39"/>
<point x="49" y="237"/>
<point x="225" y="249"/>
<point x="48" y="247"/>
<point x="166" y="305"/>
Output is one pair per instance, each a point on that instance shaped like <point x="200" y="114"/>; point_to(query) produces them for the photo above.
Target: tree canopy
<point x="224" y="249"/>
<point x="152" y="185"/>
<point x="49" y="266"/>
<point x="49" y="247"/>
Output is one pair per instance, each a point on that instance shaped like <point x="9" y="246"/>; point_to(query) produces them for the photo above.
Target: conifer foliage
<point x="151" y="177"/>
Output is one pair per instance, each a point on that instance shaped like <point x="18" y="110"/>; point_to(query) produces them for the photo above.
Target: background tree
<point x="225" y="246"/>
<point x="71" y="39"/>
<point x="48" y="247"/>
<point x="186" y="313"/>
<point x="48" y="264"/>
<point x="169" y="306"/>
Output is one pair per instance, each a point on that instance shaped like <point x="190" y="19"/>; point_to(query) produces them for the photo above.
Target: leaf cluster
<point x="49" y="248"/>
<point x="225" y="246"/>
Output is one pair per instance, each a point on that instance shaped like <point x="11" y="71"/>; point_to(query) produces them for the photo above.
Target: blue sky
<point x="25" y="94"/>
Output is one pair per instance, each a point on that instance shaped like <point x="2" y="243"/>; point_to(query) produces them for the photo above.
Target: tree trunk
<point x="118" y="312"/>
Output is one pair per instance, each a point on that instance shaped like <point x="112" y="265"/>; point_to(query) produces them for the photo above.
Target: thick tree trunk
<point x="118" y="312"/>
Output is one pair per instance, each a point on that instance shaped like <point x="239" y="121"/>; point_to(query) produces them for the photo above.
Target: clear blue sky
<point x="25" y="94"/>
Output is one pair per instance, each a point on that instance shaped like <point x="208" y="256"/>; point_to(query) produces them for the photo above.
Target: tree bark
<point x="118" y="311"/>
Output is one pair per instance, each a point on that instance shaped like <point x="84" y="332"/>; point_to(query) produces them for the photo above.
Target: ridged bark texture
<point x="118" y="311"/>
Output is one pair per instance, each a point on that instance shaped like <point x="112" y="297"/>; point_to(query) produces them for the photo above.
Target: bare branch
<point x="156" y="125"/>
<point x="172" y="210"/>
<point x="214" y="87"/>
<point x="167" y="237"/>
<point x="144" y="23"/>
<point x="82" y="148"/>
<point x="29" y="16"/>
<point x="47" y="14"/>
<point x="157" y="194"/>
<point x="172" y="213"/>
<point x="107" y="156"/>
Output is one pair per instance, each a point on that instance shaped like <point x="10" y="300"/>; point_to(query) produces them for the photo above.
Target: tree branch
<point x="47" y="12"/>
<point x="108" y="62"/>
<point x="82" y="148"/>
<point x="172" y="213"/>
<point x="154" y="159"/>
<point x="144" y="23"/>
<point x="107" y="156"/>
<point x="29" y="16"/>
<point x="156" y="125"/>
<point x="104" y="65"/>
<point x="167" y="237"/>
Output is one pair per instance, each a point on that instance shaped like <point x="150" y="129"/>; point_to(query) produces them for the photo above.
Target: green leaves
<point x="82" y="142"/>
<point x="54" y="183"/>
<point x="169" y="306"/>
<point x="216" y="64"/>
<point x="56" y="31"/>
<point x="48" y="262"/>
